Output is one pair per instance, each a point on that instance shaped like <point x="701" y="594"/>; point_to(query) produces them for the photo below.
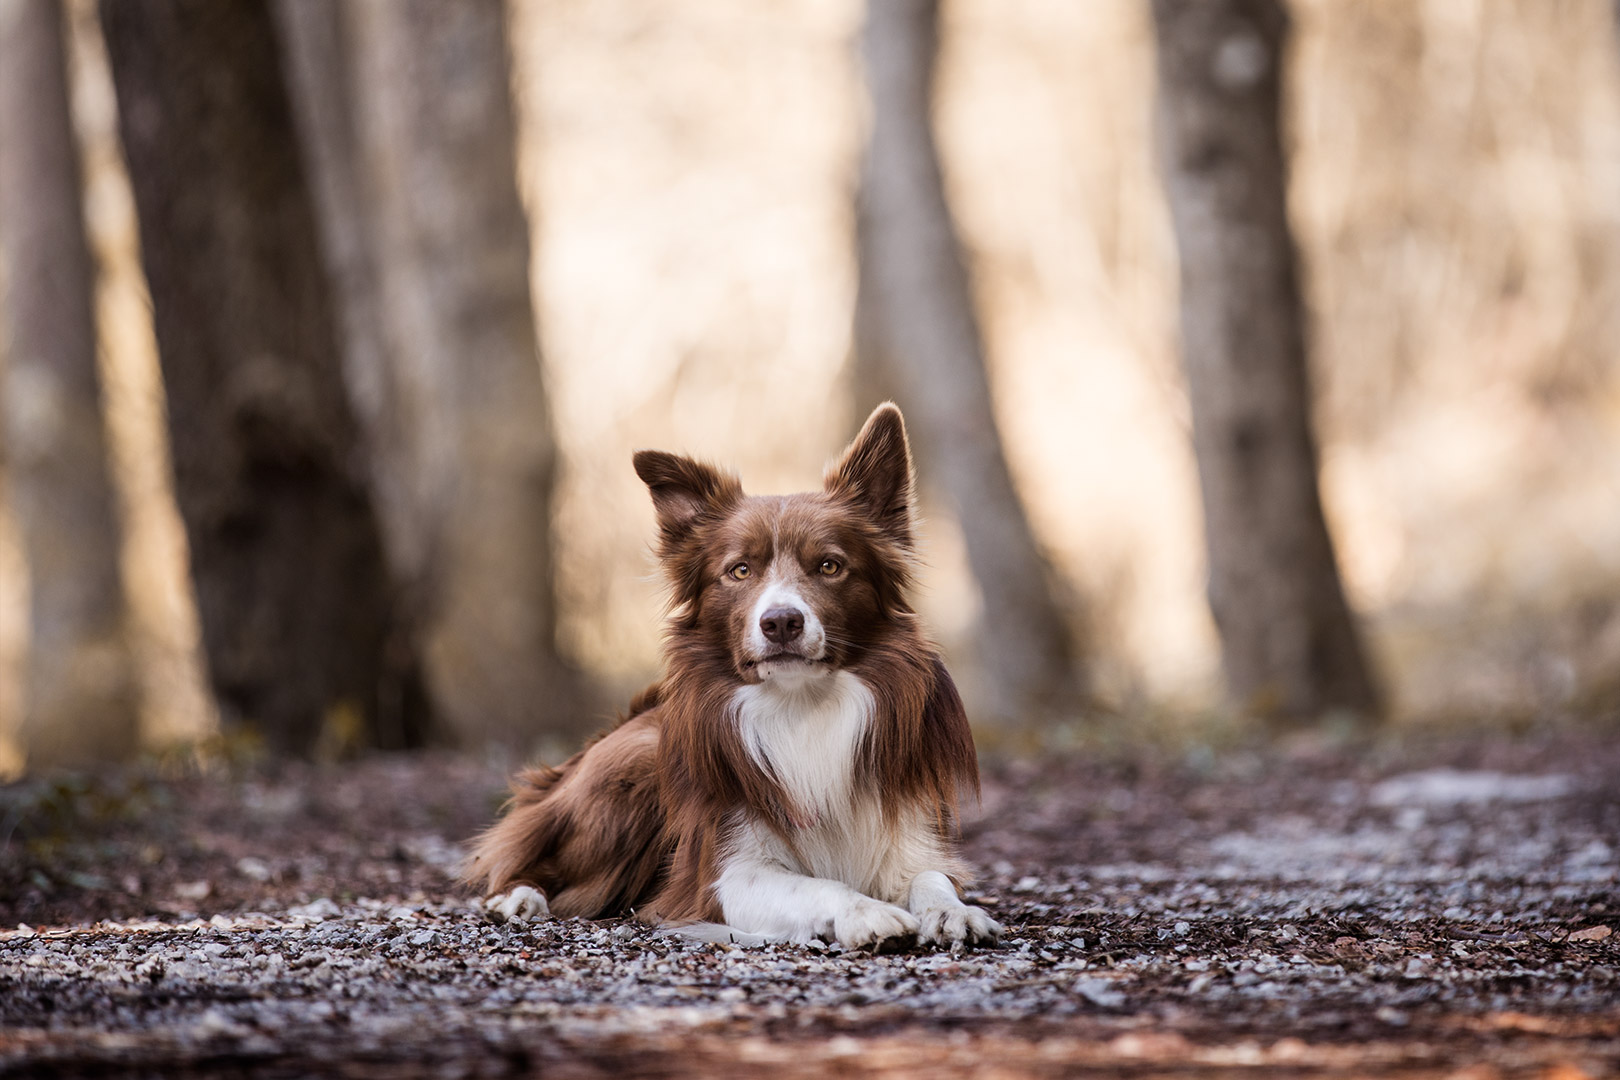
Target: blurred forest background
<point x="330" y="328"/>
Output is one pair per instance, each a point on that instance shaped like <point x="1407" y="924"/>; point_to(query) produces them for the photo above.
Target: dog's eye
<point x="831" y="566"/>
<point x="738" y="572"/>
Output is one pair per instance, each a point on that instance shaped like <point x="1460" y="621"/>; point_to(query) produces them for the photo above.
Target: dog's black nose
<point x="781" y="625"/>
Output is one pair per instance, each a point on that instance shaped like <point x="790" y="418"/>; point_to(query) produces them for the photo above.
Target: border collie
<point x="795" y="773"/>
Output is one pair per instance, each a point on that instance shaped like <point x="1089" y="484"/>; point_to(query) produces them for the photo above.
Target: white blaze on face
<point x="781" y="591"/>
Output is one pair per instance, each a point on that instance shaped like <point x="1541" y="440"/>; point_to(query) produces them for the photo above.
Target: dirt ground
<point x="1415" y="907"/>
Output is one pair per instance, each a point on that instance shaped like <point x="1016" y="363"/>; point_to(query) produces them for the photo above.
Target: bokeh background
<point x="689" y="171"/>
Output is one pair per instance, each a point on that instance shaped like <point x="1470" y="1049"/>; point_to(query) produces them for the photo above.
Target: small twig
<point x="1474" y="935"/>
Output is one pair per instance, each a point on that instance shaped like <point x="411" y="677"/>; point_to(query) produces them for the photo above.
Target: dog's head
<point x="787" y="588"/>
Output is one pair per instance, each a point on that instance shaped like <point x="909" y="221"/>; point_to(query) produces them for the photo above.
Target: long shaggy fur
<point x="639" y="820"/>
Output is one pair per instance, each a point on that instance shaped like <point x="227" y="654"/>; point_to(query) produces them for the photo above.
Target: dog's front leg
<point x="941" y="915"/>
<point x="764" y="898"/>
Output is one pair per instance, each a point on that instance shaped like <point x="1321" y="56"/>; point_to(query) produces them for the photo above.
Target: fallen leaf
<point x="1565" y="1070"/>
<point x="1591" y="933"/>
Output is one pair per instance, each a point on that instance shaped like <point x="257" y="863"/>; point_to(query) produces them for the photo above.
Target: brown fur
<point x="637" y="820"/>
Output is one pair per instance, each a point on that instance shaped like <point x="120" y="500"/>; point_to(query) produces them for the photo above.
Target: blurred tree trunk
<point x="916" y="333"/>
<point x="296" y="607"/>
<point x="316" y="52"/>
<point x="80" y="701"/>
<point x="1289" y="642"/>
<point x="430" y="244"/>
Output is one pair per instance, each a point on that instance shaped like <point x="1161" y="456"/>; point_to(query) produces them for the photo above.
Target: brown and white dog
<point x="795" y="773"/>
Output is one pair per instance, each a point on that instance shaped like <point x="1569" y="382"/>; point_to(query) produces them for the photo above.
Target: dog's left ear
<point x="875" y="473"/>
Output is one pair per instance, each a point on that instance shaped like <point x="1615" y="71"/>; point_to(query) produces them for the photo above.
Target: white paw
<point x="958" y="922"/>
<point x="521" y="905"/>
<point x="871" y="922"/>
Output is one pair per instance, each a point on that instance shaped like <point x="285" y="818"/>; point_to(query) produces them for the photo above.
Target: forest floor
<point x="1439" y="905"/>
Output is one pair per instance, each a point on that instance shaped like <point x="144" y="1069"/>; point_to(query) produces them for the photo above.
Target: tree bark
<point x="439" y="270"/>
<point x="80" y="701"/>
<point x="297" y="611"/>
<point x="916" y="331"/>
<point x="1289" y="643"/>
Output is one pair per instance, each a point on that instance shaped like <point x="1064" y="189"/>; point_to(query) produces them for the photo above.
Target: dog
<point x="795" y="774"/>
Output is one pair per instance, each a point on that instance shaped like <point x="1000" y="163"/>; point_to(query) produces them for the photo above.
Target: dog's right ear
<point x="683" y="491"/>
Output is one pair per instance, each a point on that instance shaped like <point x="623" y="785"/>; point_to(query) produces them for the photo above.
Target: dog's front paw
<point x="872" y="922"/>
<point x="523" y="904"/>
<point x="958" y="922"/>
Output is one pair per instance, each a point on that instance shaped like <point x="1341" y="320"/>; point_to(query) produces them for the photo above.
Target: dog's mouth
<point x="783" y="658"/>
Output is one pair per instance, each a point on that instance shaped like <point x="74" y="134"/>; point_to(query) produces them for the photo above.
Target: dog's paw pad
<point x="523" y="904"/>
<point x="871" y="923"/>
<point x="958" y="923"/>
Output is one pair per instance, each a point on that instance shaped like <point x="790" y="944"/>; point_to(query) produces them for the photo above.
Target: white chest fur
<point x="807" y="736"/>
<point x="809" y="739"/>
